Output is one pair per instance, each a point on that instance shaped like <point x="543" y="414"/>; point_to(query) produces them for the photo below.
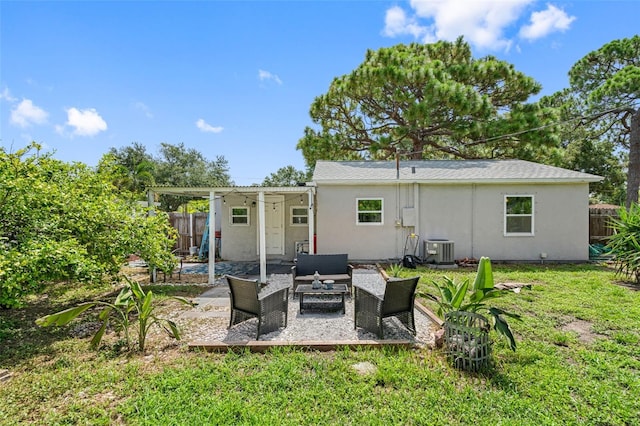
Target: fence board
<point x="190" y="228"/>
<point x="600" y="223"/>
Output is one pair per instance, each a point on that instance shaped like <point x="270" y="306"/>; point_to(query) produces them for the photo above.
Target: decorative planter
<point x="466" y="340"/>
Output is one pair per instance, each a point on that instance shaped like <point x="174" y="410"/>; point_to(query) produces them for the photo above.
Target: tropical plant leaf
<point x="460" y="293"/>
<point x="124" y="297"/>
<point x="104" y="314"/>
<point x="501" y="326"/>
<point x="484" y="276"/>
<point x="136" y="288"/>
<point x="66" y="316"/>
<point x="97" y="338"/>
<point x="171" y="328"/>
<point x="497" y="311"/>
<point x="146" y="308"/>
<point x="183" y="300"/>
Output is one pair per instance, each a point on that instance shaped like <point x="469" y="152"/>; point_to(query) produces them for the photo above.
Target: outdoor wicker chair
<point x="397" y="301"/>
<point x="271" y="309"/>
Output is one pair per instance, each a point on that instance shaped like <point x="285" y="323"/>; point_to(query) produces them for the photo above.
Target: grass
<point x="577" y="362"/>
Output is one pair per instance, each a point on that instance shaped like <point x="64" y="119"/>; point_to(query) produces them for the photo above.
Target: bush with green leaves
<point x="131" y="307"/>
<point x="625" y="242"/>
<point x="68" y="222"/>
<point x="460" y="296"/>
<point x="395" y="270"/>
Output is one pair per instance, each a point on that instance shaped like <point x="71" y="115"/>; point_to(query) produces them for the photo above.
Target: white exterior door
<point x="274" y="223"/>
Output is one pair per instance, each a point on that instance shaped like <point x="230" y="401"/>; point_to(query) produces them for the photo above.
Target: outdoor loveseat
<point x="334" y="267"/>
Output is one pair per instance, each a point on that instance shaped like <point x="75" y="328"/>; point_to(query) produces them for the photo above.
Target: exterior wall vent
<point x="439" y="252"/>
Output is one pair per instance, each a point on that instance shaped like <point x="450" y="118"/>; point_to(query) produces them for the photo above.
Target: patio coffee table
<point x="308" y="290"/>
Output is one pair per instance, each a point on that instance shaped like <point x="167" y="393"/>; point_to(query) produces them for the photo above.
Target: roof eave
<point x="458" y="181"/>
<point x="205" y="191"/>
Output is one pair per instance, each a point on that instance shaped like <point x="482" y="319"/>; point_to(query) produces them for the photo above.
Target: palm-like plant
<point x="132" y="304"/>
<point x="625" y="242"/>
<point x="461" y="297"/>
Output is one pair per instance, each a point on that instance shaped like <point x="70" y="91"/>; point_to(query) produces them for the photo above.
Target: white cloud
<point x="483" y="23"/>
<point x="267" y="76"/>
<point x="26" y="114"/>
<point x="397" y="23"/>
<point x="546" y="22"/>
<point x="6" y="95"/>
<point x="207" y="128"/>
<point x="140" y="106"/>
<point x="85" y="122"/>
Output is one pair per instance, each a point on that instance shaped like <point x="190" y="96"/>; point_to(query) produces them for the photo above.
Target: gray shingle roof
<point x="445" y="171"/>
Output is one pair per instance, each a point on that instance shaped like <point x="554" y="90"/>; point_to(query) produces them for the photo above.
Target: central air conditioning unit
<point x="439" y="252"/>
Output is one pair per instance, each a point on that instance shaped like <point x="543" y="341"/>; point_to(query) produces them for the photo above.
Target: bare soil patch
<point x="583" y="329"/>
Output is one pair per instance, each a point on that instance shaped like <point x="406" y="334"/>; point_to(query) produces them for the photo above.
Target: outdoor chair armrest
<point x="367" y="309"/>
<point x="274" y="310"/>
<point x="264" y="296"/>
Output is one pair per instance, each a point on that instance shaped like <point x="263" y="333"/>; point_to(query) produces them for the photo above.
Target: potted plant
<point x="468" y="319"/>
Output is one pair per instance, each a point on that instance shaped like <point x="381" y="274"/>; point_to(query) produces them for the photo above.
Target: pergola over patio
<point x="211" y="193"/>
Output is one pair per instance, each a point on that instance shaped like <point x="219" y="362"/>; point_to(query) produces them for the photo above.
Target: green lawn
<point x="577" y="362"/>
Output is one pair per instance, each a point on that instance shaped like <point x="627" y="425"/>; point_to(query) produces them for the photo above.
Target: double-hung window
<point x="239" y="215"/>
<point x="369" y="211"/>
<point x="518" y="215"/>
<point x="299" y="216"/>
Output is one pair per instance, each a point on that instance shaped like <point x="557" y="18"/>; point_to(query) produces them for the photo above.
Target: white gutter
<point x="523" y="181"/>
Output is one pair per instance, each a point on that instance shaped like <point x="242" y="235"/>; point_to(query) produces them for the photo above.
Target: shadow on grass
<point x="22" y="340"/>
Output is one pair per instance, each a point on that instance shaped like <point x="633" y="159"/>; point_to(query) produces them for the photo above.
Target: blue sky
<point x="236" y="79"/>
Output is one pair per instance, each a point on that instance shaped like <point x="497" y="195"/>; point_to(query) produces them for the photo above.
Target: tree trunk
<point x="633" y="174"/>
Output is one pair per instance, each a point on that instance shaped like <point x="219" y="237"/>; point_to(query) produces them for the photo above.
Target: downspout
<point x="398" y="224"/>
<point x="312" y="221"/>
<point x="416" y="208"/>
<point x="212" y="237"/>
<point x="473" y="217"/>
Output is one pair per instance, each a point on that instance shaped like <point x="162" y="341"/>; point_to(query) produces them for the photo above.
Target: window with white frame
<point x="369" y="211"/>
<point x="239" y="215"/>
<point x="299" y="216"/>
<point x="518" y="214"/>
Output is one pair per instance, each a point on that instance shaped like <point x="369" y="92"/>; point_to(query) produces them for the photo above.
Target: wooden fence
<point x="599" y="222"/>
<point x="190" y="227"/>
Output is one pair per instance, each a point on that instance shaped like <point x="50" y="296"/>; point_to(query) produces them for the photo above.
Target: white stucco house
<point x="509" y="210"/>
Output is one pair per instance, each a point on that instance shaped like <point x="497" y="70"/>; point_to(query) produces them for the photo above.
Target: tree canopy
<point x="428" y="101"/>
<point x="62" y="221"/>
<point x="286" y="176"/>
<point x="607" y="84"/>
<point x="136" y="168"/>
<point x="175" y="165"/>
<point x="585" y="149"/>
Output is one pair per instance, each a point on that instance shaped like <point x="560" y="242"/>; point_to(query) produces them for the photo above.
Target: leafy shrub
<point x="395" y="270"/>
<point x="625" y="242"/>
<point x="68" y="222"/>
